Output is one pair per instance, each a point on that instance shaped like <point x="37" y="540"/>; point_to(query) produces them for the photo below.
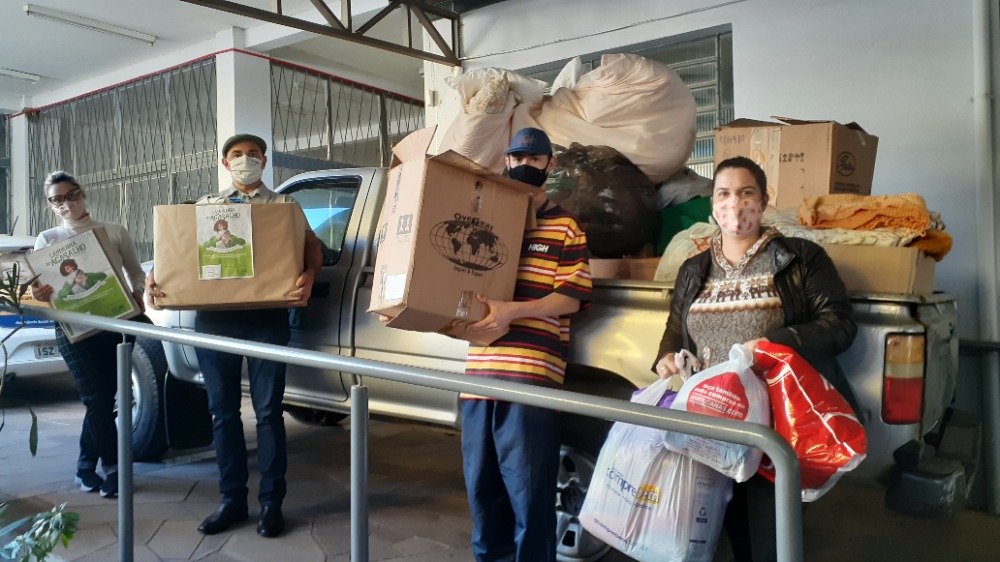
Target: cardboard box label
<point x="395" y="287"/>
<point x="224" y="235"/>
<point x="469" y="242"/>
<point x="83" y="280"/>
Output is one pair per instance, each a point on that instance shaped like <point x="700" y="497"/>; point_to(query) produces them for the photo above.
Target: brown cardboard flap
<point x="792" y="121"/>
<point x="744" y="122"/>
<point x="414" y="146"/>
<point x="853" y="125"/>
<point x="278" y="247"/>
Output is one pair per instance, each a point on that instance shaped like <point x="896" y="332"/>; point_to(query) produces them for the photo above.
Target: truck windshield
<point x="328" y="209"/>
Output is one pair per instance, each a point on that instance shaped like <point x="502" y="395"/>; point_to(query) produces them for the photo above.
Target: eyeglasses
<point x="71" y="195"/>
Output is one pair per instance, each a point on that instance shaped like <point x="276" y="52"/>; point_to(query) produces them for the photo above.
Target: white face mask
<point x="738" y="218"/>
<point x="246" y="170"/>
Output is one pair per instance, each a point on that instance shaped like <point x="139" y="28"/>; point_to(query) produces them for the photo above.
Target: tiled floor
<point x="418" y="511"/>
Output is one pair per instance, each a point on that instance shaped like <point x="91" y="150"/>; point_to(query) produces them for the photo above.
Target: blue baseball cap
<point x="530" y="140"/>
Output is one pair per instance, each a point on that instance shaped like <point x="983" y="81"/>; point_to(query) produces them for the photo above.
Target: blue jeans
<point x="510" y="455"/>
<point x="223" y="373"/>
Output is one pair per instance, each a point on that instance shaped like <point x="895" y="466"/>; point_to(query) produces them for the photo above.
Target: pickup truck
<point x="902" y="366"/>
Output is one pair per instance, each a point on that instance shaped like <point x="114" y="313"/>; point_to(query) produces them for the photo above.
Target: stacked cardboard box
<point x="881" y="269"/>
<point x="802" y="158"/>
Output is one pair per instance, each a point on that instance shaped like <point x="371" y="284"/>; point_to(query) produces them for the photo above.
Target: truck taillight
<point x="903" y="388"/>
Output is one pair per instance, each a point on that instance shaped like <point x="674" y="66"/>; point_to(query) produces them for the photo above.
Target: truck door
<point x="329" y="204"/>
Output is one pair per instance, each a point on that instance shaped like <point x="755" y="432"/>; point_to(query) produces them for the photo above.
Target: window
<point x="704" y="61"/>
<point x="148" y="142"/>
<point x="328" y="205"/>
<point x="321" y="122"/>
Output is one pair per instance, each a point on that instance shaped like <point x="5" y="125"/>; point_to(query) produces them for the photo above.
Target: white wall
<point x="901" y="68"/>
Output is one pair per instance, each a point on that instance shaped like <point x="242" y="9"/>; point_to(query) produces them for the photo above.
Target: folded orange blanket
<point x="865" y="212"/>
<point x="935" y="243"/>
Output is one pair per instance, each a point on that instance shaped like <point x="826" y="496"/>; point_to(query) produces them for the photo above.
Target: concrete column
<point x="243" y="99"/>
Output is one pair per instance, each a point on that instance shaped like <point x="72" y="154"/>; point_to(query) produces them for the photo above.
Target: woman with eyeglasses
<point x="92" y="361"/>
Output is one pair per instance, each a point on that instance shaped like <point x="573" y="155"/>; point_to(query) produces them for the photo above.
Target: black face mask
<point x="528" y="174"/>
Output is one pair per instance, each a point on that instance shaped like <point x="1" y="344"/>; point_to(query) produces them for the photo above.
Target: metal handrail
<point x="788" y="498"/>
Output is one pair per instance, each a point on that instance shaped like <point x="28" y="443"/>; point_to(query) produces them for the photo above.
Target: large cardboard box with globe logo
<point x="450" y="229"/>
<point x="802" y="158"/>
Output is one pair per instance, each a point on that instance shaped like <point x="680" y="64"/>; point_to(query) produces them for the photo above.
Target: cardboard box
<point x="642" y="269"/>
<point x="802" y="158"/>
<point x="881" y="269"/>
<point x="186" y="273"/>
<point x="84" y="279"/>
<point x="450" y="229"/>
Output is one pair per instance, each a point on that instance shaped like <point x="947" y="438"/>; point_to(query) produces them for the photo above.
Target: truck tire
<point x="313" y="416"/>
<point x="149" y="433"/>
<point x="582" y="438"/>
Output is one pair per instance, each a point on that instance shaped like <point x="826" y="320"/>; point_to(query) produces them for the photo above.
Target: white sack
<point x="482" y="131"/>
<point x="636" y="105"/>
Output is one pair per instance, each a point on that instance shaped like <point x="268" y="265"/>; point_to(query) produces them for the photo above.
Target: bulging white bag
<point x="650" y="503"/>
<point x="727" y="390"/>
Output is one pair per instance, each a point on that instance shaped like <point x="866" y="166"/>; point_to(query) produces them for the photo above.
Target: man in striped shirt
<point x="511" y="451"/>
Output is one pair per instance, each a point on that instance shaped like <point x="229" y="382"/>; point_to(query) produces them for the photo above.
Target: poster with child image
<point x="224" y="233"/>
<point x="83" y="280"/>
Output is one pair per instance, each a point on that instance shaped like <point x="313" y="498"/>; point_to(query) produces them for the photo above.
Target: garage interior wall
<point x="852" y="60"/>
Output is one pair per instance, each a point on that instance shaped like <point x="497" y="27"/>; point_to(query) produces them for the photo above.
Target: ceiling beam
<point x="336" y="27"/>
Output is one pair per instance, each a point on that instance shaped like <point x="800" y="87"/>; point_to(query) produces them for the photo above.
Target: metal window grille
<point x="148" y="142"/>
<point x="321" y="122"/>
<point x="704" y="63"/>
<point x="5" y="140"/>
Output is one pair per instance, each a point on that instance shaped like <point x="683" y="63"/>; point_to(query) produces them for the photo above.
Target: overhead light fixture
<point x="87" y="23"/>
<point x="26" y="76"/>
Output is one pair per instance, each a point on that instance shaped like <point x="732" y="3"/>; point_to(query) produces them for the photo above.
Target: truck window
<point x="328" y="209"/>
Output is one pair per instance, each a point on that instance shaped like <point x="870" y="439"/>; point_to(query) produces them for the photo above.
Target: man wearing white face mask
<point x="244" y="156"/>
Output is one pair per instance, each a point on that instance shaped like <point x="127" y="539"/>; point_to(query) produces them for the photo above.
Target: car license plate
<point x="45" y="351"/>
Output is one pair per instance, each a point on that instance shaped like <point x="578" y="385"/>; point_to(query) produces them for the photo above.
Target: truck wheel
<point x="582" y="439"/>
<point x="312" y="416"/>
<point x="149" y="433"/>
<point x="575" y="544"/>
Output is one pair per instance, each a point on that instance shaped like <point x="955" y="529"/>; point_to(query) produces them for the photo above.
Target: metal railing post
<point x="125" y="524"/>
<point x="359" y="473"/>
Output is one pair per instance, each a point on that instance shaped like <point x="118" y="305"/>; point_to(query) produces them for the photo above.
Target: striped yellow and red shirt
<point x="554" y="258"/>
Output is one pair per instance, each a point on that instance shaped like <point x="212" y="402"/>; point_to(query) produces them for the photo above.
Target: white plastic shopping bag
<point x="727" y="390"/>
<point x="650" y="503"/>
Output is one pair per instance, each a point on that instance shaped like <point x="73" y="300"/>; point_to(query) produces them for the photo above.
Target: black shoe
<point x="88" y="480"/>
<point x="272" y="523"/>
<point x="223" y="519"/>
<point x="109" y="489"/>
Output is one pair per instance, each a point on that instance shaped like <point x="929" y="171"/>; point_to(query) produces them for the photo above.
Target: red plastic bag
<point x="814" y="418"/>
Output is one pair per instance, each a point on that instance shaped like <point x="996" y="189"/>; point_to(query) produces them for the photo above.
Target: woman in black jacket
<point x="755" y="285"/>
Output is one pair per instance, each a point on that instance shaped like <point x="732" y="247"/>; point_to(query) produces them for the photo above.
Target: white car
<point x="32" y="349"/>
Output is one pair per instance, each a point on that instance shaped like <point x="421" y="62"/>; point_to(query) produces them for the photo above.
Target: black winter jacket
<point x="818" y="322"/>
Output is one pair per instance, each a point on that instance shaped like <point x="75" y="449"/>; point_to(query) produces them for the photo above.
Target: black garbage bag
<point x="614" y="201"/>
